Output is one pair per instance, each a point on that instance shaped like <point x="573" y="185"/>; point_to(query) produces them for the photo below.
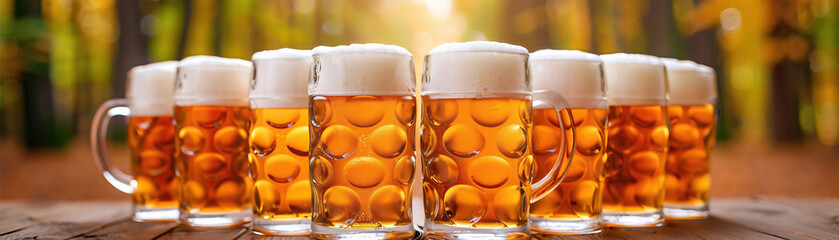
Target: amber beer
<point x="633" y="193"/>
<point x="362" y="126"/>
<point x="211" y="116"/>
<point x="279" y="142"/>
<point x="152" y="182"/>
<point x="476" y="151"/>
<point x="574" y="207"/>
<point x="693" y="129"/>
<point x="477" y="165"/>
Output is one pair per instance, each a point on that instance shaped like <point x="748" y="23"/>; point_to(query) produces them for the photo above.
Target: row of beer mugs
<point x="295" y="142"/>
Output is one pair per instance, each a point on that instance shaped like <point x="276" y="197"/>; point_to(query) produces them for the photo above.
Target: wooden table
<point x="754" y="218"/>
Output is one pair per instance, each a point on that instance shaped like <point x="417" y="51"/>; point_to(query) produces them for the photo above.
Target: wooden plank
<point x="716" y="228"/>
<point x="784" y="217"/>
<point x="61" y="220"/>
<point x="251" y="236"/>
<point x="128" y="229"/>
<point x="712" y="228"/>
<point x="181" y="232"/>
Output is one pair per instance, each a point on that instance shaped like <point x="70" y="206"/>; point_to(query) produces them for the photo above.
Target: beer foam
<point x="362" y="48"/>
<point x="476" y="69"/>
<point x="282" y="78"/>
<point x="634" y="79"/>
<point x="563" y="55"/>
<point x="210" y="80"/>
<point x="150" y="87"/>
<point x="690" y="83"/>
<point x="282" y="53"/>
<point x="478" y="46"/>
<point x="575" y="75"/>
<point x="369" y="69"/>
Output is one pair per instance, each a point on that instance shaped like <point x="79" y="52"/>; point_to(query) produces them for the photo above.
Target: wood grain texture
<point x="251" y="236"/>
<point x="791" y="218"/>
<point x="754" y="218"/>
<point x="193" y="233"/>
<point x="59" y="220"/>
<point x="127" y="229"/>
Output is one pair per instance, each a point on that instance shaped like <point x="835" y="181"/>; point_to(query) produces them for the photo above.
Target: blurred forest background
<point x="777" y="63"/>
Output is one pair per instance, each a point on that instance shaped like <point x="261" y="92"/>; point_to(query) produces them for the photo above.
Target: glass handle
<point x="555" y="176"/>
<point x="99" y="144"/>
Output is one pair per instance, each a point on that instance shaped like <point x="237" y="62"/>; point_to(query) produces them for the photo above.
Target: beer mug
<point x="211" y="123"/>
<point x="148" y="105"/>
<point x="475" y="141"/>
<point x="633" y="193"/>
<point x="362" y="162"/>
<point x="279" y="142"/>
<point x="574" y="206"/>
<point x="693" y="134"/>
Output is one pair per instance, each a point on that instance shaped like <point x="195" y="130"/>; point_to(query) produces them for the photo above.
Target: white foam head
<point x="690" y="83"/>
<point x="282" y="78"/>
<point x="634" y="79"/>
<point x="209" y="80"/>
<point x="476" y="68"/>
<point x="150" y="87"/>
<point x="575" y="75"/>
<point x="369" y="69"/>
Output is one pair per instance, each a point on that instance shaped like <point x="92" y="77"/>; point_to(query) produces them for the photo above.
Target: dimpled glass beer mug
<point x="362" y="162"/>
<point x="151" y="140"/>
<point x="693" y="134"/>
<point x="279" y="142"/>
<point x="633" y="193"/>
<point x="475" y="141"/>
<point x="574" y="206"/>
<point x="211" y="123"/>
